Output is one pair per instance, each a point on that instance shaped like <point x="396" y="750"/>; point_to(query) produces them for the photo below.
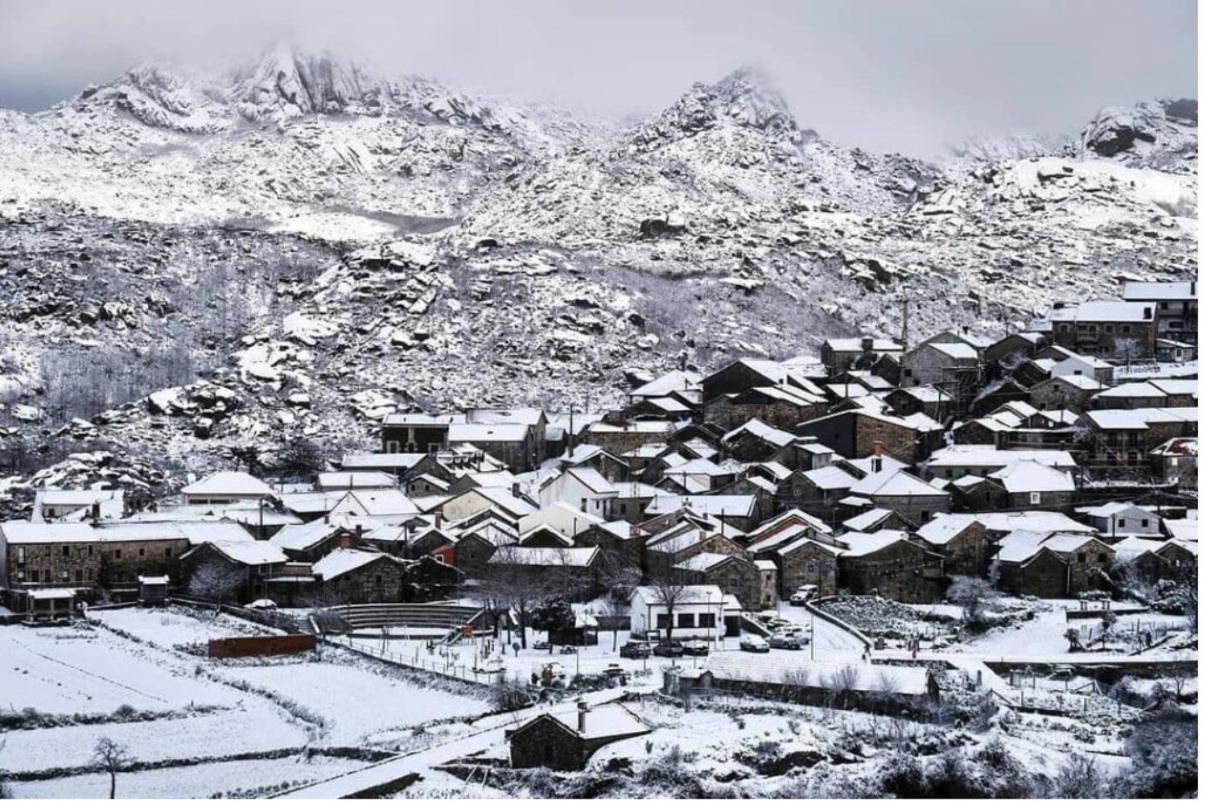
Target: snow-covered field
<point x="179" y="708"/>
<point x="196" y="782"/>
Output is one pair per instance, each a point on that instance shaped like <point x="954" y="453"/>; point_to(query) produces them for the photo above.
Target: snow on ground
<point x="189" y="782"/>
<point x="176" y="626"/>
<point x="1043" y="636"/>
<point x="255" y="726"/>
<point x="356" y="699"/>
<point x="89" y="670"/>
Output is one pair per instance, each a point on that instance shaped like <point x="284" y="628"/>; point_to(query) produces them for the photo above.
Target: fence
<point x="442" y="666"/>
<point x="260" y="645"/>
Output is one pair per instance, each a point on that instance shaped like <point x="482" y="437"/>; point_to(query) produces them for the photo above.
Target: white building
<point x="698" y="612"/>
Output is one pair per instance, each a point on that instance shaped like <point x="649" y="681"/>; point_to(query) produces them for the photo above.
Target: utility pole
<point x="905" y="324"/>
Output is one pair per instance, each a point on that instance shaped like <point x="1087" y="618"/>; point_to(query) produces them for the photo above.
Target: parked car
<point x="754" y="643"/>
<point x="804" y="594"/>
<point x="668" y="648"/>
<point x="786" y="641"/>
<point x="635" y="650"/>
<point x="541" y="645"/>
<point x="695" y="648"/>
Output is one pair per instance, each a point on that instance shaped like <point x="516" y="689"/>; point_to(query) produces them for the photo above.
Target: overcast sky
<point x="890" y="75"/>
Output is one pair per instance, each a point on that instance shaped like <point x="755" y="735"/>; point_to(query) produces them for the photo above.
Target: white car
<point x="803" y="595"/>
<point x="754" y="643"/>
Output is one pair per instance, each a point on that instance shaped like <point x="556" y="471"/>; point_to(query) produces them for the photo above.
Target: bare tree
<point x="972" y="594"/>
<point x="619" y="577"/>
<point x="515" y="587"/>
<point x="111" y="756"/>
<point x="1127" y="350"/>
<point x="669" y="592"/>
<point x="842" y="682"/>
<point x="215" y="581"/>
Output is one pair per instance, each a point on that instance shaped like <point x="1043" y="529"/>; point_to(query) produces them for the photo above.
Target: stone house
<point x="1052" y="566"/>
<point x="416" y="432"/>
<point x="755" y="441"/>
<point x="1097" y="328"/>
<point x="914" y="500"/>
<point x="954" y="366"/>
<point x="515" y="445"/>
<point x="363" y="577"/>
<point x="733" y="573"/>
<point x="226" y="487"/>
<point x="628" y="435"/>
<point x="243" y="571"/>
<point x="1118" y="519"/>
<point x="85" y="556"/>
<point x="748" y="373"/>
<point x="778" y="406"/>
<point x="962" y="541"/>
<point x="564" y="740"/>
<point x="800" y="559"/>
<point x="1125" y="437"/>
<point x="815" y="492"/>
<point x="841" y="354"/>
<point x="1014" y="349"/>
<point x="1176" y="307"/>
<point x="1030" y="484"/>
<point x="573" y="573"/>
<point x="1065" y="392"/>
<point x="889" y="564"/>
<point x="854" y="433"/>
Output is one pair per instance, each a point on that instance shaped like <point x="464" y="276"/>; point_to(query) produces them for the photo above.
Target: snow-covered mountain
<point x="316" y="244"/>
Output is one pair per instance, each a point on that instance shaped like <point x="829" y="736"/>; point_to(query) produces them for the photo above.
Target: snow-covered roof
<point x="894" y="483"/>
<point x="1133" y="547"/>
<point x="344" y="560"/>
<point x="1041" y="521"/>
<point x="545" y="557"/>
<point x="861" y="544"/>
<point x="78" y="497"/>
<point x="356" y="479"/>
<point x="372" y="461"/>
<point x="976" y="455"/>
<point x="251" y="553"/>
<point x="830" y="477"/>
<point x="607" y="721"/>
<point x="867" y="520"/>
<point x="760" y="430"/>
<point x="718" y="505"/>
<point x="957" y="351"/>
<point x="1159" y="291"/>
<point x="687" y="594"/>
<point x="228" y="484"/>
<point x="856" y="345"/>
<point x="591" y="479"/>
<point x="702" y="562"/>
<point x="422" y="419"/>
<point x="1139" y="418"/>
<point x="675" y="380"/>
<point x="1031" y="476"/>
<point x="486" y="433"/>
<point x="1103" y="312"/>
<point x="944" y="527"/>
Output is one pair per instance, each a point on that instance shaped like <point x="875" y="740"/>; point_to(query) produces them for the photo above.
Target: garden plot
<point x="253" y="726"/>
<point x="192" y="782"/>
<point x="356" y="698"/>
<point x="88" y="670"/>
<point x="177" y="626"/>
<point x="1044" y="635"/>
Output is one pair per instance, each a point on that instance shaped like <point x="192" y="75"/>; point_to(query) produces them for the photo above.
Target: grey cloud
<point x="884" y="74"/>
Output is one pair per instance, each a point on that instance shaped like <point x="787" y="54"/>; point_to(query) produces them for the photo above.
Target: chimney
<point x="583" y="709"/>
<point x="866" y="343"/>
<point x="515" y="489"/>
<point x="439" y="521"/>
<point x="96" y="512"/>
<point x="345" y="540"/>
<point x="327" y="518"/>
<point x="1148" y="312"/>
<point x="877" y="456"/>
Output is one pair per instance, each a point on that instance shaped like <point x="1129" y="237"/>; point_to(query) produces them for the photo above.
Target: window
<point x="664" y="620"/>
<point x="1081" y="557"/>
<point x="33" y="575"/>
<point x="1165" y="306"/>
<point x="79" y="576"/>
<point x="167" y="553"/>
<point x="686" y="620"/>
<point x="584" y="504"/>
<point x="117" y="553"/>
<point x="1125" y="328"/>
<point x="1110" y="328"/>
<point x="924" y="515"/>
<point x="708" y="620"/>
<point x="67" y="550"/>
<point x="624" y="508"/>
<point x="1144" y="523"/>
<point x="142" y="551"/>
<point x="1034" y="498"/>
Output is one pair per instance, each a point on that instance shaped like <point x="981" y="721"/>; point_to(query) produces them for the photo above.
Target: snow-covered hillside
<point x="324" y="244"/>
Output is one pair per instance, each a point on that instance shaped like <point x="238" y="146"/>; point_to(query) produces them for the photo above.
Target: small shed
<point x="584" y="632"/>
<point x="50" y="604"/>
<point x="152" y="589"/>
<point x="565" y="741"/>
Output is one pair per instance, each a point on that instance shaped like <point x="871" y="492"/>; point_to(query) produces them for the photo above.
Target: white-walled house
<point x="561" y="517"/>
<point x="699" y="612"/>
<point x="580" y="487"/>
<point x="1117" y="518"/>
